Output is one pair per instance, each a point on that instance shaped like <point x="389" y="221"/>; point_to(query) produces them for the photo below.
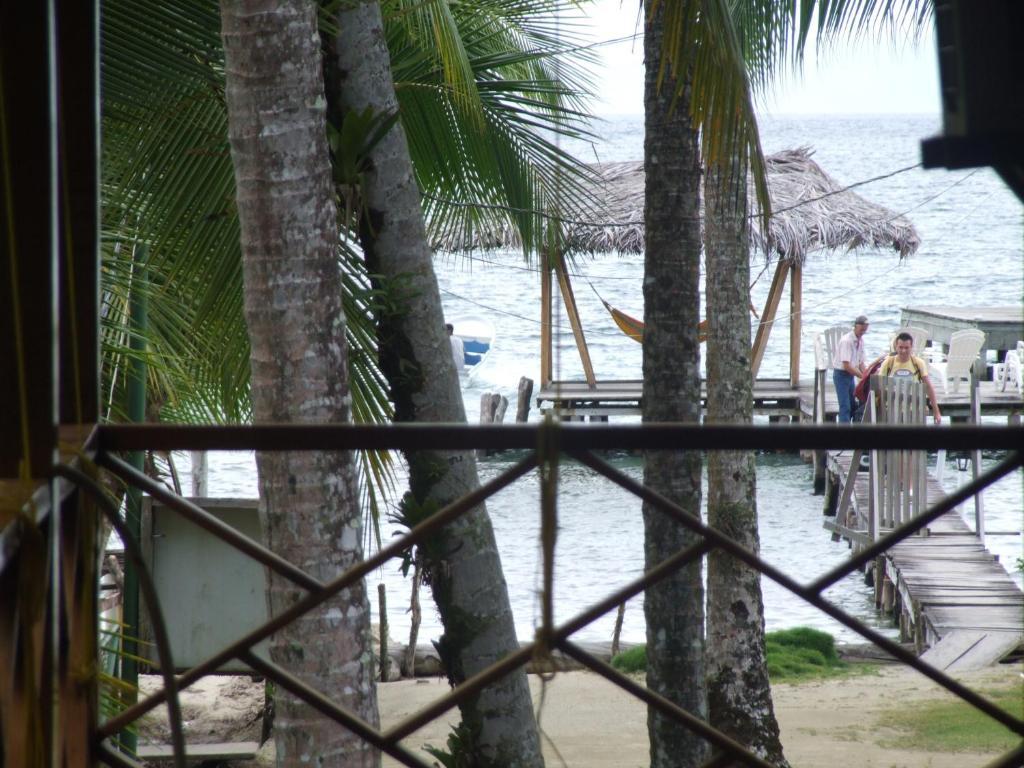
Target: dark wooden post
<point x="546" y="364"/>
<point x="574" y="319"/>
<point x="49" y="219"/>
<point x="795" y="322"/>
<point x="523" y="404"/>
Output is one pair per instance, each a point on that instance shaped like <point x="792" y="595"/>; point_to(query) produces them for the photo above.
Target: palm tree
<point x="717" y="45"/>
<point x="739" y="695"/>
<point x="674" y="608"/>
<point x="309" y="506"/>
<point x="461" y="563"/>
<point x="170" y="182"/>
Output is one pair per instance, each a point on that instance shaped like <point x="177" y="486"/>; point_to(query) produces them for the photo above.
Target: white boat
<point x="477" y="337"/>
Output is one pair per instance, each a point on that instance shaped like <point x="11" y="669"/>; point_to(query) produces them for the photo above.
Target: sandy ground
<point x="589" y="723"/>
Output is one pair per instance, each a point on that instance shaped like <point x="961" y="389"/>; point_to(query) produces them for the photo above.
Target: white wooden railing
<point x="897" y="479"/>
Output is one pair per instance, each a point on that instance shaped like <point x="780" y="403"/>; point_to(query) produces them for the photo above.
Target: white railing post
<point x="874" y="470"/>
<point x="921" y="457"/>
<point x="979" y="500"/>
<point x="200" y="474"/>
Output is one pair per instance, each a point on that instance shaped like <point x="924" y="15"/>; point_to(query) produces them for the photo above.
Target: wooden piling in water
<point x="525" y="395"/>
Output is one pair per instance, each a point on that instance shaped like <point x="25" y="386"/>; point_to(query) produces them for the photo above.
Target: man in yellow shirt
<point x="910" y="367"/>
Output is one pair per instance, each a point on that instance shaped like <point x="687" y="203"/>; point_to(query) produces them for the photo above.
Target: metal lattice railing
<point x="545" y="445"/>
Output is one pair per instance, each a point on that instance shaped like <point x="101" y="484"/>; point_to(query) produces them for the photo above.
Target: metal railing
<point x="577" y="442"/>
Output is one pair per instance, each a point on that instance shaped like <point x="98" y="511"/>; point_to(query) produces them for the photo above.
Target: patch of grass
<point x="802" y="653"/>
<point x="795" y="654"/>
<point x="632" y="661"/>
<point x="954" y="726"/>
<point x="807" y="638"/>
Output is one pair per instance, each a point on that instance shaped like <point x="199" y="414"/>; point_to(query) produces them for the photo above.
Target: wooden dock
<point x="577" y="399"/>
<point x="950" y="595"/>
<point x="772" y="397"/>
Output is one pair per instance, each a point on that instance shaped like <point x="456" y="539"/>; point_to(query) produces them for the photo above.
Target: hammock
<point x="634" y="328"/>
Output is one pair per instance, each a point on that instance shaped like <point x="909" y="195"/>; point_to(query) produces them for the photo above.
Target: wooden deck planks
<point x="771" y="397"/>
<point x="963" y="650"/>
<point x="957" y="600"/>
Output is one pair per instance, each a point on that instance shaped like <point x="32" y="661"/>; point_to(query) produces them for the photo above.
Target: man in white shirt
<point x="458" y="349"/>
<point x="848" y="366"/>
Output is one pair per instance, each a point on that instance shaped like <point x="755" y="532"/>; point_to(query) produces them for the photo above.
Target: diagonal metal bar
<point x="663" y="705"/>
<point x="134" y="553"/>
<point x="200" y="517"/>
<point x="486" y="676"/>
<point x="324" y="705"/>
<point x="814" y="599"/>
<point x="1012" y="759"/>
<point x="810" y="596"/>
<point x="710" y="535"/>
<point x="899" y="652"/>
<point x="911" y="527"/>
<point x="573" y="437"/>
<point x="417" y="534"/>
<point x="460" y="693"/>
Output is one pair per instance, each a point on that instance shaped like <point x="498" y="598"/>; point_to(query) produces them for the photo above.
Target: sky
<point x="867" y="78"/>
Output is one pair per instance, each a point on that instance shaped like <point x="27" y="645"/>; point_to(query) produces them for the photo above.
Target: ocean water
<point x="971" y="232"/>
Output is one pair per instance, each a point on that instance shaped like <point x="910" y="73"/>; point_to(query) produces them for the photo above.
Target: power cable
<point x="548" y="216"/>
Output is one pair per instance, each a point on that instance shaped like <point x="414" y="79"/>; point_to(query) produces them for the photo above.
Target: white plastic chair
<point x="963" y="351"/>
<point x="827" y="345"/>
<point x="1012" y="372"/>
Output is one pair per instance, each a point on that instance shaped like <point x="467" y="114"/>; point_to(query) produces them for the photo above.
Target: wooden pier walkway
<point x="772" y="397"/>
<point x="951" y="596"/>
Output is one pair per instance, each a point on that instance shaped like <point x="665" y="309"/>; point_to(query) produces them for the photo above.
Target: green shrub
<point x="633" y="660"/>
<point x="792" y="654"/>
<point x="805" y="637"/>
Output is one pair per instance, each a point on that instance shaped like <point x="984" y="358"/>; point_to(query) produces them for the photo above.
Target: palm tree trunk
<point x="308" y="501"/>
<point x="739" y="695"/>
<point x="461" y="564"/>
<point x="671" y="393"/>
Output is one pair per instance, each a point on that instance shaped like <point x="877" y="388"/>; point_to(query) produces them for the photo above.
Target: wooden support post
<point x="546" y="366"/>
<point x="874" y="471"/>
<point x="617" y="631"/>
<point x="845" y="501"/>
<point x="818" y="457"/>
<point x="887" y="595"/>
<point x="795" y="323"/>
<point x="771" y="306"/>
<point x="979" y="498"/>
<point x="574" y="320"/>
<point x="200" y="474"/>
<point x="492" y="411"/>
<point x="523" y="405"/>
<point x="828" y="509"/>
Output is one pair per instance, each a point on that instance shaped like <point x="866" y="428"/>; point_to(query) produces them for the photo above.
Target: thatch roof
<point x="812" y="212"/>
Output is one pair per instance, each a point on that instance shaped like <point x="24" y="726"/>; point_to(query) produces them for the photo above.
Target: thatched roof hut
<point x="811" y="211"/>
